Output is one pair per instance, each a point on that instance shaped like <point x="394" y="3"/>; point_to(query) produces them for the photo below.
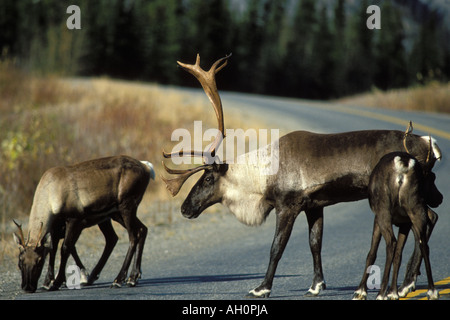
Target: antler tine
<point x="408" y="131"/>
<point x="429" y="149"/>
<point x="214" y="66"/>
<point x="39" y="236"/>
<point x="19" y="226"/>
<point x="182" y="171"/>
<point x="174" y="185"/>
<point x="182" y="153"/>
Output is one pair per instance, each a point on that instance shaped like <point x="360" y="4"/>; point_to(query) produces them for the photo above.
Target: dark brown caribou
<point x="399" y="193"/>
<point x="315" y="171"/>
<point x="75" y="197"/>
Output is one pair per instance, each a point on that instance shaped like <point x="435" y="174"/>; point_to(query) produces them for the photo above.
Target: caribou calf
<point x="399" y="192"/>
<point x="79" y="196"/>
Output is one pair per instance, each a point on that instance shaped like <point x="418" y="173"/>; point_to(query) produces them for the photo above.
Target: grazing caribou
<point x="315" y="170"/>
<point x="79" y="196"/>
<point x="58" y="233"/>
<point x="399" y="192"/>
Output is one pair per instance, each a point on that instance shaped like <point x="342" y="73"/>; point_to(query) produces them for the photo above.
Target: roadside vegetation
<point x="431" y="97"/>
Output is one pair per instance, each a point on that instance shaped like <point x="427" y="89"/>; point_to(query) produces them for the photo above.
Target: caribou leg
<point x="361" y="292"/>
<point x="111" y="240"/>
<point x="391" y="244"/>
<point x="129" y="220"/>
<point x="402" y="236"/>
<point x="50" y="277"/>
<point x="284" y="223"/>
<point x="315" y="224"/>
<point x="136" y="271"/>
<point x="419" y="226"/>
<point x="413" y="267"/>
<point x="84" y="274"/>
<point x="73" y="231"/>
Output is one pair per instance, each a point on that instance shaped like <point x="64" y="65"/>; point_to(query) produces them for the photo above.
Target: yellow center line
<point x="416" y="293"/>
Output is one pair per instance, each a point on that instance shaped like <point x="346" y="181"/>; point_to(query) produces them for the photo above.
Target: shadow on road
<point x="200" y="278"/>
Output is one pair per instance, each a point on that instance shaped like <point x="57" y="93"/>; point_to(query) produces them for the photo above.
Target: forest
<point x="300" y="48"/>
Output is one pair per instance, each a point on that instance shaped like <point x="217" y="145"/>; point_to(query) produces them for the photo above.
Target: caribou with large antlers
<point x="315" y="170"/>
<point x="76" y="197"/>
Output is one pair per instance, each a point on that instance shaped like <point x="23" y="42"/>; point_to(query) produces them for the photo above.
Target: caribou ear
<point x="46" y="241"/>
<point x="221" y="168"/>
<point x="19" y="239"/>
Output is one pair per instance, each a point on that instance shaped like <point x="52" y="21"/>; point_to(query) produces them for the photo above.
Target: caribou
<point x="58" y="233"/>
<point x="71" y="198"/>
<point x="315" y="170"/>
<point x="399" y="193"/>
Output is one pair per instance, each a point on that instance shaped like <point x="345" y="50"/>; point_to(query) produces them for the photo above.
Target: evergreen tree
<point x="391" y="69"/>
<point x="162" y="27"/>
<point x="339" y="52"/>
<point x="360" y="70"/>
<point x="298" y="62"/>
<point x="249" y="41"/>
<point x="323" y="63"/>
<point x="99" y="36"/>
<point x="126" y="60"/>
<point x="209" y="32"/>
<point x="8" y="25"/>
<point x="428" y="57"/>
<point x="270" y="60"/>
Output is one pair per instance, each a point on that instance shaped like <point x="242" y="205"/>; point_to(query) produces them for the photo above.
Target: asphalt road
<point x="226" y="259"/>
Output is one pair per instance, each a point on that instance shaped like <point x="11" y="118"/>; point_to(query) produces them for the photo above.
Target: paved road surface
<point x="223" y="259"/>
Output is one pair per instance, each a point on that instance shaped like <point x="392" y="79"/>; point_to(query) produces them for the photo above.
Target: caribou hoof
<point x="404" y="290"/>
<point x="90" y="281"/>
<point x="131" y="282"/>
<point x="84" y="277"/>
<point x="359" y="295"/>
<point x="53" y="288"/>
<point x="433" y="294"/>
<point x="393" y="295"/>
<point x="263" y="293"/>
<point x="314" y="292"/>
<point x="115" y="285"/>
<point x="47" y="286"/>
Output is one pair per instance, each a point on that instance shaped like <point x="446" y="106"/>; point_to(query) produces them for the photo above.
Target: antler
<point x="408" y="131"/>
<point x="208" y="81"/>
<point x="174" y="185"/>
<point x="38" y="242"/>
<point x="19" y="226"/>
<point x="429" y="149"/>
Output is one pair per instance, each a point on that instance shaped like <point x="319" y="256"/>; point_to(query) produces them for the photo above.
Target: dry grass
<point x="432" y="97"/>
<point x="48" y="122"/>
